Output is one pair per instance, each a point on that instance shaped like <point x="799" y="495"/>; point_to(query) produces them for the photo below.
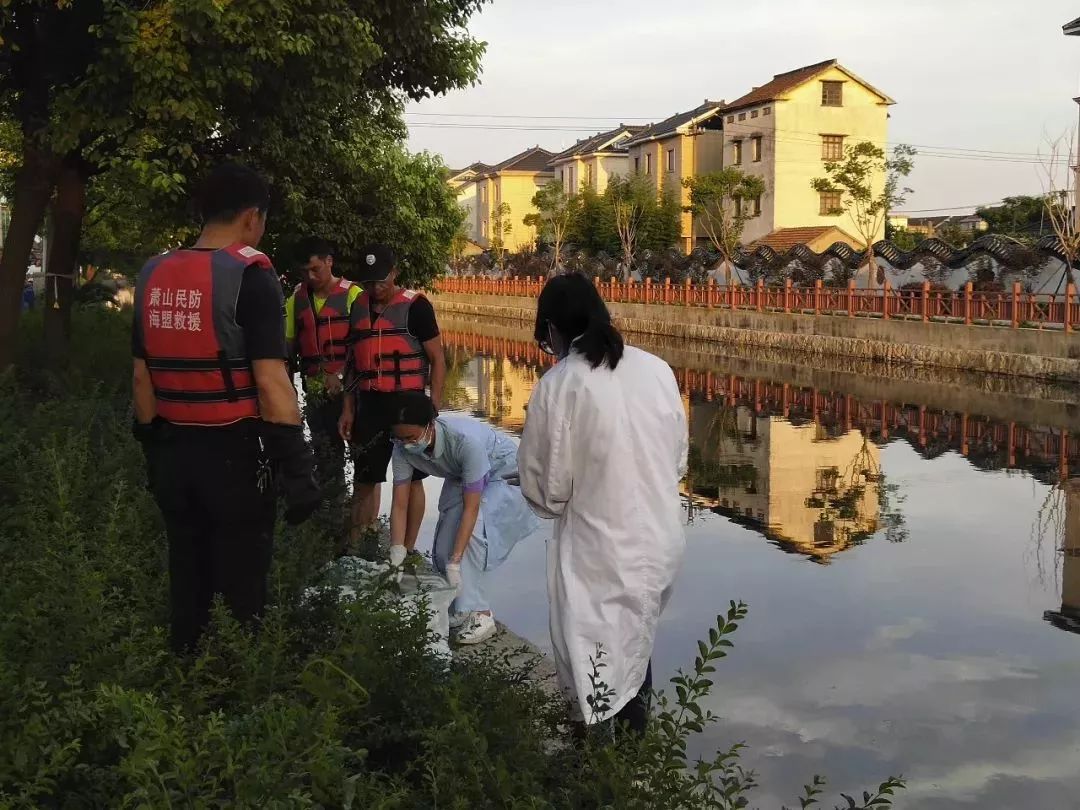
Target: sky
<point x="981" y="84"/>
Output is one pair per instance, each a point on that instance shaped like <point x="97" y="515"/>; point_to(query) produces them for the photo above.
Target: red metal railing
<point x="1012" y="308"/>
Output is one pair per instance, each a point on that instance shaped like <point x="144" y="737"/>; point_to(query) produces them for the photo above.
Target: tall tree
<point x="722" y="202"/>
<point x="501" y="226"/>
<point x="1022" y="217"/>
<point x="1058" y="176"/>
<point x="170" y="86"/>
<point x="555" y="214"/>
<point x="869" y="184"/>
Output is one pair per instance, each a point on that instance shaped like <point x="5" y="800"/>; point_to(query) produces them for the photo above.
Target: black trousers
<point x="635" y="714"/>
<point x="322" y="419"/>
<point x="219" y="509"/>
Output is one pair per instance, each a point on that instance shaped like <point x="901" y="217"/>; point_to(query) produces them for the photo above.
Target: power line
<point x="558" y="128"/>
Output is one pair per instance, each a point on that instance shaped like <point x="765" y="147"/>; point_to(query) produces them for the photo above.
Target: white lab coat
<point x="603" y="452"/>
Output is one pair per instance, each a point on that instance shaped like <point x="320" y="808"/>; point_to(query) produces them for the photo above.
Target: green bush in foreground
<point x="333" y="704"/>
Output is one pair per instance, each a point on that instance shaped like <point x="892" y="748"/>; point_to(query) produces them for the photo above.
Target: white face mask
<point x="421" y="443"/>
<point x="556" y="343"/>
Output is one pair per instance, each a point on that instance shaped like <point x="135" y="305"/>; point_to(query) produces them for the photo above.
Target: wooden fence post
<point x="648" y="290"/>
<point x="885" y="288"/>
<point x="686" y="292"/>
<point x="817" y="296"/>
<point x="759" y="293"/>
<point x="926" y="301"/>
<point x="1016" y="305"/>
<point x="1070" y="294"/>
<point x="787" y="295"/>
<point x="667" y="289"/>
<point x="710" y="288"/>
<point x="851" y="298"/>
<point x="967" y="303"/>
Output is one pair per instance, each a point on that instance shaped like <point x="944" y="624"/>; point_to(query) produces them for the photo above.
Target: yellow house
<point x="786" y="130"/>
<point x="463" y="182"/>
<point x="511" y="183"/>
<point x="592" y="161"/>
<point x="679" y="147"/>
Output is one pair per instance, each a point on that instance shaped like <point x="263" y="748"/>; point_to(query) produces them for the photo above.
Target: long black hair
<point x="572" y="305"/>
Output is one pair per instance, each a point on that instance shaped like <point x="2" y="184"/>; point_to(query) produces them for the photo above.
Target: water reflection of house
<point x="497" y="389"/>
<point x="1068" y="618"/>
<point x="811" y="491"/>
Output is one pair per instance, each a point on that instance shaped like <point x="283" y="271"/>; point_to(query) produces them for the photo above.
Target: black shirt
<point x="421" y="324"/>
<point x="260" y="312"/>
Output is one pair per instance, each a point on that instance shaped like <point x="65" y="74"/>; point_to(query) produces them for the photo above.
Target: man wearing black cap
<point x="394" y="346"/>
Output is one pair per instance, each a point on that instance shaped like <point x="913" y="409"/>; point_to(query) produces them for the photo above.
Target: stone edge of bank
<point x="794" y="332"/>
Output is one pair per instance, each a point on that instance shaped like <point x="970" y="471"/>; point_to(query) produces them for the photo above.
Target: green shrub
<point x="331" y="704"/>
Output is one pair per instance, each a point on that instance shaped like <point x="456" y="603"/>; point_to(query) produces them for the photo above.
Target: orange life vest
<point x="185" y="301"/>
<point x="322" y="337"/>
<point x="385" y="356"/>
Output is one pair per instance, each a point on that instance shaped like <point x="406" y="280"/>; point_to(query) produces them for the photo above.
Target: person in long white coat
<point x="482" y="514"/>
<point x="603" y="451"/>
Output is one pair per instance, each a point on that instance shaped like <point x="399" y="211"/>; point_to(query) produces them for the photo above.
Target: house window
<point x="648" y="163"/>
<point x="483" y="228"/>
<point x="588" y="174"/>
<point x="742" y="116"/>
<point x="637" y="165"/>
<point x="757" y="206"/>
<point x="832" y="94"/>
<point x="832" y="147"/>
<point x="670" y="160"/>
<point x="830" y="203"/>
<point x="755" y="149"/>
<point x="731" y="119"/>
<point x="483" y="194"/>
<point x="753" y="113"/>
<point x="767" y="111"/>
<point x="737" y="152"/>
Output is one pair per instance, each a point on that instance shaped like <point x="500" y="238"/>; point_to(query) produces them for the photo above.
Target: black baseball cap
<point x="376" y="263"/>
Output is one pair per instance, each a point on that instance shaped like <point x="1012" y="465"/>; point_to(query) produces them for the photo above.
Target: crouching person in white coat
<point x="482" y="514"/>
<point x="603" y="451"/>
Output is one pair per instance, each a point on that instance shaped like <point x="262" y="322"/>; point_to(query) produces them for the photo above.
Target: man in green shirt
<point x="316" y="329"/>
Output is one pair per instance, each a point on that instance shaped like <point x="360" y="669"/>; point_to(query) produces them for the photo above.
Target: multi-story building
<point x="592" y="161"/>
<point x="679" y="147"/>
<point x="512" y="184"/>
<point x="787" y="129"/>
<point x="784" y="131"/>
<point x="463" y="182"/>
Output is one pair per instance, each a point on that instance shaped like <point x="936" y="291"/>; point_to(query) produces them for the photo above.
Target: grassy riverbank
<point x="331" y="705"/>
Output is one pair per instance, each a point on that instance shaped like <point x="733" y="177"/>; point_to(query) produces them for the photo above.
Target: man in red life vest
<point x="215" y="408"/>
<point x="317" y="329"/>
<point x="394" y="345"/>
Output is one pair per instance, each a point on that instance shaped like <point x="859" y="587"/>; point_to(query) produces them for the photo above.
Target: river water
<point x="908" y="543"/>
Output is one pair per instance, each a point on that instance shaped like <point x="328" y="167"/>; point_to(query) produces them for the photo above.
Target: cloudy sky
<point x="979" y="84"/>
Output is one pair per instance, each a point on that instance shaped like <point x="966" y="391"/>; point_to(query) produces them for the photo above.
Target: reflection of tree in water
<point x="722" y="434"/>
<point x="457" y="364"/>
<point x="839" y="495"/>
<point x="1048" y="532"/>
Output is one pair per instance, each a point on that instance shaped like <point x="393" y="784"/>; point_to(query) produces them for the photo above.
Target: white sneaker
<point x="480" y="627"/>
<point x="457" y="620"/>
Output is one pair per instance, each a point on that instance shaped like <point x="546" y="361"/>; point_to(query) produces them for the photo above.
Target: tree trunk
<point x="34" y="184"/>
<point x="68" y="210"/>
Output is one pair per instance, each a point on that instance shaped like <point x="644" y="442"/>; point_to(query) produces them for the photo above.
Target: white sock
<point x="397" y="555"/>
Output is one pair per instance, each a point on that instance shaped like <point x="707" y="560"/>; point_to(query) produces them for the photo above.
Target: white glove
<point x="397" y="556"/>
<point x="453" y="575"/>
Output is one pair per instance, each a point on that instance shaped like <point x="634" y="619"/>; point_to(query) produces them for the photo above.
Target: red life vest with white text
<point x="186" y="305"/>
<point x="322" y="337"/>
<point x="385" y="356"/>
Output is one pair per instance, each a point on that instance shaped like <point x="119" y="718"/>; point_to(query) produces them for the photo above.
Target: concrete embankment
<point x="1032" y="353"/>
